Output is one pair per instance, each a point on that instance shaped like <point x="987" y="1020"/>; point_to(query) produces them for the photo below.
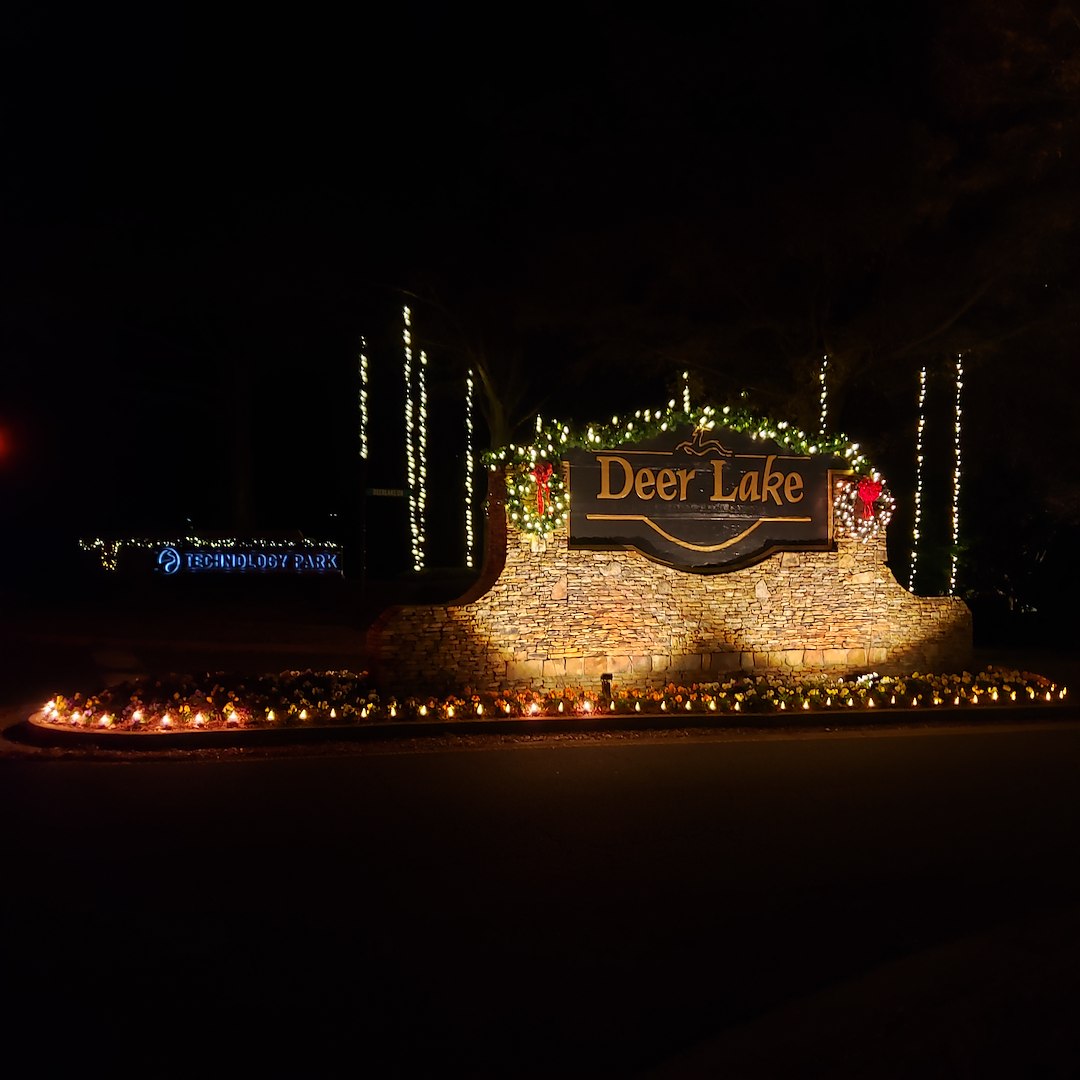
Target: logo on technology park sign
<point x="702" y="500"/>
<point x="170" y="561"/>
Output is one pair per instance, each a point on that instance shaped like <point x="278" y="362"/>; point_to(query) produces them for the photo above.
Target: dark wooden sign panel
<point x="702" y="500"/>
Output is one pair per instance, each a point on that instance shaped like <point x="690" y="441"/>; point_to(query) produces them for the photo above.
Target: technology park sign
<point x="171" y="560"/>
<point x="702" y="500"/>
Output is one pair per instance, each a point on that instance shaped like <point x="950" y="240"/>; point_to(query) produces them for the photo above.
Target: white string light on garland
<point x="957" y="427"/>
<point x="916" y="527"/>
<point x="110" y="549"/>
<point x="363" y="399"/>
<point x="469" y="469"/>
<point x="410" y="439"/>
<point x="823" y="379"/>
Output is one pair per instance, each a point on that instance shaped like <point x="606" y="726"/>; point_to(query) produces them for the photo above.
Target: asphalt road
<point x="538" y="909"/>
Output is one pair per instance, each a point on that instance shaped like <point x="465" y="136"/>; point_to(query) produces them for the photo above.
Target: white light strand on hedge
<point x="686" y="391"/>
<point x="363" y="399"/>
<point x="917" y="523"/>
<point x="109" y="550"/>
<point x="469" y="469"/>
<point x="822" y="378"/>
<point x="957" y="426"/>
<point x="410" y="439"/>
<point x="421" y="446"/>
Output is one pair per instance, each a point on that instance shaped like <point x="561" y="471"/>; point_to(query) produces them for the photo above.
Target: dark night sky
<point x="203" y="211"/>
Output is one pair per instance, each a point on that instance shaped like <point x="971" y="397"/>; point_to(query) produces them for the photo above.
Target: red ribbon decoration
<point x="542" y="474"/>
<point x="868" y="490"/>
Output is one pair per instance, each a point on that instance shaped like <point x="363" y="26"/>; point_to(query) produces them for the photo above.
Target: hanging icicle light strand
<point x="916" y="527"/>
<point x="421" y="451"/>
<point x="410" y="438"/>
<point x="686" y="391"/>
<point x="957" y="429"/>
<point x="469" y="469"/>
<point x="823" y="379"/>
<point x="363" y="399"/>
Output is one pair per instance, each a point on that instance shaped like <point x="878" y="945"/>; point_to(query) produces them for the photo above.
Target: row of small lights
<point x="957" y="426"/>
<point x="917" y="525"/>
<point x="363" y="399"/>
<point x="236" y="716"/>
<point x="470" y="468"/>
<point x="109" y="550"/>
<point x="421" y="453"/>
<point x="415" y="444"/>
<point x="781" y="431"/>
<point x="824" y="399"/>
<point x="410" y="457"/>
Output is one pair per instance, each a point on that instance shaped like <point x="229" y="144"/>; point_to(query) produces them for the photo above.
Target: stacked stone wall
<point x="548" y="616"/>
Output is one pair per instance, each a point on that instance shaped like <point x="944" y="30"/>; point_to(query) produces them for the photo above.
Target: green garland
<point x="554" y="438"/>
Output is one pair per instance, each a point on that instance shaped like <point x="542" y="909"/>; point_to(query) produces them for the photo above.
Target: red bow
<point x="542" y="474"/>
<point x="868" y="490"/>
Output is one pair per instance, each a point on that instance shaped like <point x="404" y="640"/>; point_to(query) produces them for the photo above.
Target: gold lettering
<point x="644" y="482"/>
<point x="718" y="483"/>
<point x="771" y="481"/>
<point x="748" y="488"/>
<point x="666" y="484"/>
<point x="605" y="478"/>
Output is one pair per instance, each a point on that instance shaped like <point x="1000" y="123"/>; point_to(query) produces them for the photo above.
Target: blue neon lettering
<point x="169" y="560"/>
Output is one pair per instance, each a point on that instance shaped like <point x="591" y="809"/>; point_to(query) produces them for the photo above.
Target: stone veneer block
<point x="525" y="670"/>
<point x="723" y="663"/>
<point x="595" y="666"/>
<point x="687" y="663"/>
